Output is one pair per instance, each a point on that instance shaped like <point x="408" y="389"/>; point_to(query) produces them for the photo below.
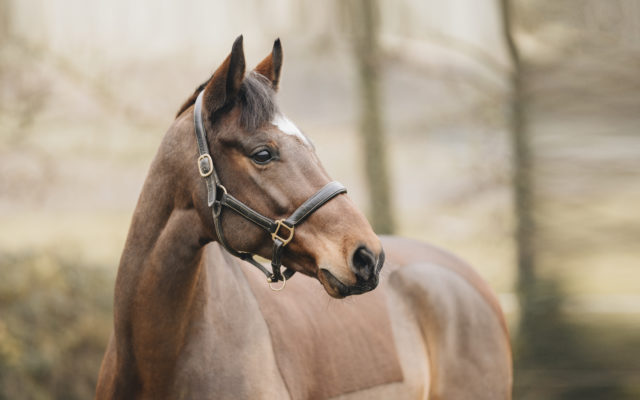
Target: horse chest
<point x="298" y="343"/>
<point x="228" y="353"/>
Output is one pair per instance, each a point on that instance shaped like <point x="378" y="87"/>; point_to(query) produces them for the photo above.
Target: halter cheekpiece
<point x="281" y="230"/>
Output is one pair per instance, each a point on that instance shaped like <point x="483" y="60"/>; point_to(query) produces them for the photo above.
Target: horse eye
<point x="262" y="157"/>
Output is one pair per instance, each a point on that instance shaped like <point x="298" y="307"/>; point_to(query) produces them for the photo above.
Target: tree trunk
<point x="522" y="166"/>
<point x="363" y="15"/>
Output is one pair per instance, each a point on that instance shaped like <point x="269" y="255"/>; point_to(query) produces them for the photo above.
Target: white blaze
<point x="285" y="125"/>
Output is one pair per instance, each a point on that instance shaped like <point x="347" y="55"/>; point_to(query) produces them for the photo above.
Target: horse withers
<point x="193" y="318"/>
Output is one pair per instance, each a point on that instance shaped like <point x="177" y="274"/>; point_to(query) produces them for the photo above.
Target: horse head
<point x="266" y="163"/>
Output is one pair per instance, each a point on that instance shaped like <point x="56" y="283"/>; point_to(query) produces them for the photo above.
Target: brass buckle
<point x="275" y="235"/>
<point x="207" y="157"/>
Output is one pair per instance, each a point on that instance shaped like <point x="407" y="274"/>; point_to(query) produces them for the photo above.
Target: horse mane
<point x="256" y="96"/>
<point x="192" y="99"/>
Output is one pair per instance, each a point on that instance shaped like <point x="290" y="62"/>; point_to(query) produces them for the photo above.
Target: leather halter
<point x="281" y="230"/>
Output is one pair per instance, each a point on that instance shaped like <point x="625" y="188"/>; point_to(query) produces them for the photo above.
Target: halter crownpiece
<point x="281" y="230"/>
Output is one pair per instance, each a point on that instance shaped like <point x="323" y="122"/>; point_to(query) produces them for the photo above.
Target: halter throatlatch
<point x="281" y="230"/>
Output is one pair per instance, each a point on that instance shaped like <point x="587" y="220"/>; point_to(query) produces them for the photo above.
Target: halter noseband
<point x="281" y="230"/>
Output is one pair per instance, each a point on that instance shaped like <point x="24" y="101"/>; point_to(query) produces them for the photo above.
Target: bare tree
<point x="522" y="163"/>
<point x="364" y="19"/>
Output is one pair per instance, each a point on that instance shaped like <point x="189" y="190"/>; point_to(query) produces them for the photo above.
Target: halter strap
<point x="281" y="231"/>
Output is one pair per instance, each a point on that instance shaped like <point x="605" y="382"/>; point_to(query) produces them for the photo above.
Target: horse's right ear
<point x="225" y="83"/>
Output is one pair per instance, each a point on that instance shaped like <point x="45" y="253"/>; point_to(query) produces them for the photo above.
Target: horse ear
<point x="270" y="66"/>
<point x="225" y="83"/>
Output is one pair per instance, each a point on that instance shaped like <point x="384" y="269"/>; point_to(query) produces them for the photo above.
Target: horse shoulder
<point x="460" y="319"/>
<point x="228" y="353"/>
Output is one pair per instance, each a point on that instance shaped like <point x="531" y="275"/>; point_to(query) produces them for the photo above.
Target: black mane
<point x="256" y="97"/>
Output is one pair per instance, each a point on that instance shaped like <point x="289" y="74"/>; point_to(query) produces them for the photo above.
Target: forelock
<point x="257" y="99"/>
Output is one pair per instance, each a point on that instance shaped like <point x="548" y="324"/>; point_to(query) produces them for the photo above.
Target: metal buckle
<point x="208" y="172"/>
<point x="275" y="235"/>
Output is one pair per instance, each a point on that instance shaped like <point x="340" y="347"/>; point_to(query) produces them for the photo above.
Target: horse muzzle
<point x="366" y="268"/>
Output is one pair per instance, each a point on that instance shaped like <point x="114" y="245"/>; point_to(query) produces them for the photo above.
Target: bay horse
<point x="194" y="320"/>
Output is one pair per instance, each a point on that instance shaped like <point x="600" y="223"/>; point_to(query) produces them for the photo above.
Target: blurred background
<point x="506" y="131"/>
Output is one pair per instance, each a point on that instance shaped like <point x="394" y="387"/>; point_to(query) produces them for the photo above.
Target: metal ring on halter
<point x="220" y="186"/>
<point x="284" y="283"/>
<point x="217" y="207"/>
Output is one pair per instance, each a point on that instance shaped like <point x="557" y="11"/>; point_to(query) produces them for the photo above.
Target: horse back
<point x="459" y="317"/>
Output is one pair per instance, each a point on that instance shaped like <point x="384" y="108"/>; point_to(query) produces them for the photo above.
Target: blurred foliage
<point x="83" y="102"/>
<point x="55" y="318"/>
<point x="578" y="90"/>
<point x="562" y="357"/>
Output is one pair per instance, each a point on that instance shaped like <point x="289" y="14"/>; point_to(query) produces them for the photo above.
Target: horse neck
<point x="158" y="283"/>
<point x="164" y="242"/>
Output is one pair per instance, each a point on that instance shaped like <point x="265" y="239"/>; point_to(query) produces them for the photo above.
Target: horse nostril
<point x="364" y="263"/>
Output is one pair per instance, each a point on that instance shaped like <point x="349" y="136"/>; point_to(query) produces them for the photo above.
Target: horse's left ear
<point x="270" y="66"/>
